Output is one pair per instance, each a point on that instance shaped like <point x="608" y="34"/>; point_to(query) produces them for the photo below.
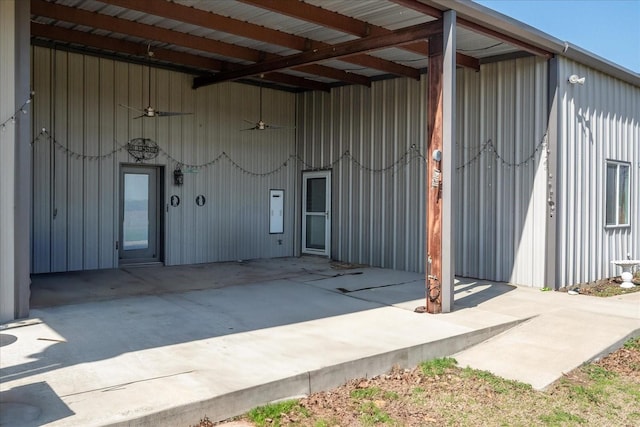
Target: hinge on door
<point x="117" y="245"/>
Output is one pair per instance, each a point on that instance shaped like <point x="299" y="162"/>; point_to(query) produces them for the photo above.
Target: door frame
<point x="159" y="234"/>
<point x="328" y="214"/>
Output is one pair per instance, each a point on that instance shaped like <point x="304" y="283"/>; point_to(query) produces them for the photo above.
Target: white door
<point x="316" y="213"/>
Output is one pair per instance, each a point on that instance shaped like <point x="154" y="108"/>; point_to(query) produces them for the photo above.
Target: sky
<point x="608" y="28"/>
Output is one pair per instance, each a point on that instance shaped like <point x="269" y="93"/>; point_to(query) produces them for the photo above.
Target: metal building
<point x="277" y="152"/>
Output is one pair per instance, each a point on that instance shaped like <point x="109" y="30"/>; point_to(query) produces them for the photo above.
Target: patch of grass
<point x="439" y="393"/>
<point x="271" y="414"/>
<point x="633" y="344"/>
<point x="372" y="415"/>
<point x="391" y="395"/>
<point x="498" y="384"/>
<point x="599" y="374"/>
<point x="612" y="291"/>
<point x="326" y="423"/>
<point x="559" y="418"/>
<point x="365" y="393"/>
<point x="586" y="394"/>
<point x="439" y="366"/>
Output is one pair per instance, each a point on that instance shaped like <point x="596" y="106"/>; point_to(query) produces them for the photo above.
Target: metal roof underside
<point x="217" y="40"/>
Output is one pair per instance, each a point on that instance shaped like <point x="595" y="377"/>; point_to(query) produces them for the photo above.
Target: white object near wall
<point x="276" y="211"/>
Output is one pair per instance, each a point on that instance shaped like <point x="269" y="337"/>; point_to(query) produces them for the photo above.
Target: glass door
<point x="316" y="213"/>
<point x="139" y="214"/>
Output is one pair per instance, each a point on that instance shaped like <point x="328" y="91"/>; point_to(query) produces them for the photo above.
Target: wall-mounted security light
<point x="437" y="155"/>
<point x="178" y="176"/>
<point x="574" y="79"/>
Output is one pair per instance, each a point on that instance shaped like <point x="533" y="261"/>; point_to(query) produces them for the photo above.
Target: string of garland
<point x="21" y="109"/>
<point x="406" y="158"/>
<point x="489" y="147"/>
<point x="74" y="154"/>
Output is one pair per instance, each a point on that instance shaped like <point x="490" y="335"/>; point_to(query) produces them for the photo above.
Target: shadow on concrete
<point x="98" y="315"/>
<point x="19" y="406"/>
<point x="472" y="292"/>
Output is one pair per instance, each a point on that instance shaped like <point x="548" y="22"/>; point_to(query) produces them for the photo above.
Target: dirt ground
<point x="438" y="393"/>
<point x="605" y="287"/>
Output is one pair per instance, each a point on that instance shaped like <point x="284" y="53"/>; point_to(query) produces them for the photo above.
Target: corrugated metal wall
<point x="501" y="171"/>
<point x="75" y="215"/>
<point x="599" y="121"/>
<point x="379" y="215"/>
<point x="366" y="135"/>
<point x="370" y="138"/>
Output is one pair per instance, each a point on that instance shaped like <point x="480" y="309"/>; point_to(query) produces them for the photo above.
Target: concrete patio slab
<point x="259" y="331"/>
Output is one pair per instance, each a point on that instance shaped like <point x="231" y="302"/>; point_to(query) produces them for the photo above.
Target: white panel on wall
<point x="276" y="211"/>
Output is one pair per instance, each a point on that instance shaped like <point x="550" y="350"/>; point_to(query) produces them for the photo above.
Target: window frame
<point x="617" y="200"/>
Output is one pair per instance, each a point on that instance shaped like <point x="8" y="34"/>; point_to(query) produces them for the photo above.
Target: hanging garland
<point x="490" y="148"/>
<point x="16" y="114"/>
<point x="407" y="157"/>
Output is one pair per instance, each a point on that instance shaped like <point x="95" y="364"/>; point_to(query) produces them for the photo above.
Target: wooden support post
<point x="434" y="177"/>
<point x="440" y="174"/>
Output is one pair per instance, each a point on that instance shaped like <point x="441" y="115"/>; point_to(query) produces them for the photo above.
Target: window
<point x="617" y="193"/>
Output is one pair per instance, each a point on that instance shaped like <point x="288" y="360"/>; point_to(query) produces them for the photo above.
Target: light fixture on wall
<point x="178" y="176"/>
<point x="574" y="79"/>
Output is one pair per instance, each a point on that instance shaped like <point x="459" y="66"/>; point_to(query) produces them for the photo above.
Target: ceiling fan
<point x="261" y="124"/>
<point x="149" y="111"/>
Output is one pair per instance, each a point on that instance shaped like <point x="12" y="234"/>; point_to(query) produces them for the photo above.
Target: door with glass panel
<point x="316" y="213"/>
<point x="139" y="214"/>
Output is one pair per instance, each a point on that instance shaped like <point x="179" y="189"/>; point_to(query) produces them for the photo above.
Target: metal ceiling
<point x="209" y="37"/>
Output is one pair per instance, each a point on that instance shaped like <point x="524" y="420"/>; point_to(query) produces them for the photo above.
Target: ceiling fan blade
<point x="251" y="128"/>
<point x="249" y="121"/>
<point x="170" y="113"/>
<point x="277" y="127"/>
<point x="132" y="108"/>
<point x="140" y="116"/>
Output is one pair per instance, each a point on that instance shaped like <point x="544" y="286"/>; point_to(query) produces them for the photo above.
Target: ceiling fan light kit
<point x="261" y="124"/>
<point x="149" y="111"/>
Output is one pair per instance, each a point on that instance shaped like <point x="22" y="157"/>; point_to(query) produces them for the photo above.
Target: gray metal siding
<point x="599" y="121"/>
<point x="362" y="135"/>
<point x="501" y="205"/>
<point x="76" y="196"/>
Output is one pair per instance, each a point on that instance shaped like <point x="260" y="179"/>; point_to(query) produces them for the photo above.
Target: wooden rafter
<point x="150" y="32"/>
<point x="396" y="38"/>
<point x="256" y="32"/>
<point x="116" y="45"/>
<point x="349" y="25"/>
